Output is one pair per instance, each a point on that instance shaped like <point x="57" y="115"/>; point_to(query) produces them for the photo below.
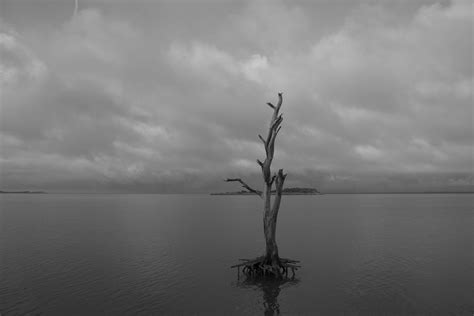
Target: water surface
<point x="170" y="254"/>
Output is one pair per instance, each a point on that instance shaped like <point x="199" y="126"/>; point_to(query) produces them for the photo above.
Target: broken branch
<point x="271" y="105"/>
<point x="245" y="185"/>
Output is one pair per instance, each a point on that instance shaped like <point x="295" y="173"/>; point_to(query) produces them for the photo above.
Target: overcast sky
<point x="169" y="96"/>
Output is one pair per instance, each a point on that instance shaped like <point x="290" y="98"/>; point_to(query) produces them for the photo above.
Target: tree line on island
<point x="285" y="191"/>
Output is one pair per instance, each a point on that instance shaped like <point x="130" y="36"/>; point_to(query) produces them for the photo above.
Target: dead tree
<point x="270" y="263"/>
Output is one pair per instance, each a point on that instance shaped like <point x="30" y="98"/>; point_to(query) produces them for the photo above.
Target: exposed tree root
<point x="263" y="267"/>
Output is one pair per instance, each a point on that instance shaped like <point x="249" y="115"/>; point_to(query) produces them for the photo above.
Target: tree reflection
<point x="271" y="288"/>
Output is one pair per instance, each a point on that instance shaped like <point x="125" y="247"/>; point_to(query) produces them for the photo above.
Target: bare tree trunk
<point x="270" y="214"/>
<point x="270" y="210"/>
<point x="270" y="217"/>
<point x="269" y="225"/>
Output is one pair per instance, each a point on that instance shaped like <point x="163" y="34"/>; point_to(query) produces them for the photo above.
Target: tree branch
<point x="277" y="122"/>
<point x="278" y="129"/>
<point x="245" y="185"/>
<point x="279" y="181"/>
<point x="265" y="145"/>
<point x="272" y="180"/>
<point x="271" y="105"/>
<point x="280" y="100"/>
<point x="269" y="143"/>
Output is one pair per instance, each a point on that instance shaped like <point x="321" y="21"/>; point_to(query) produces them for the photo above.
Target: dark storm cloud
<point x="131" y="97"/>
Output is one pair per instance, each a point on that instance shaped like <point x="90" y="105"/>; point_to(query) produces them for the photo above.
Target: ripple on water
<point x="151" y="254"/>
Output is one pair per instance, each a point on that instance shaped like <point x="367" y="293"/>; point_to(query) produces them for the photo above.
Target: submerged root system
<point x="263" y="267"/>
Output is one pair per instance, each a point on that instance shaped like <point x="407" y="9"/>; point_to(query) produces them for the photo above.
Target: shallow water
<point x="170" y="254"/>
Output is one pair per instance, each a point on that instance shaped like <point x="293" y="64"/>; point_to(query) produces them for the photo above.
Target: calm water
<point x="170" y="254"/>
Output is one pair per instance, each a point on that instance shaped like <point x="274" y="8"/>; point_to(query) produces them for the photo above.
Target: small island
<point x="286" y="191"/>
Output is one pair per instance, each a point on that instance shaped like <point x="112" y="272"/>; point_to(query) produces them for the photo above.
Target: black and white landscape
<point x="129" y="116"/>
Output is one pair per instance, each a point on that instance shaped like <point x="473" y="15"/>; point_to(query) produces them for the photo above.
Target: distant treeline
<point x="300" y="190"/>
<point x="287" y="191"/>
<point x="23" y="192"/>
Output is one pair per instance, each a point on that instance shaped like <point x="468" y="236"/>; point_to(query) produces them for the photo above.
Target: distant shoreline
<point x="22" y="192"/>
<point x="237" y="193"/>
<point x="251" y="193"/>
<point x="286" y="191"/>
<point x="415" y="192"/>
<point x="352" y="193"/>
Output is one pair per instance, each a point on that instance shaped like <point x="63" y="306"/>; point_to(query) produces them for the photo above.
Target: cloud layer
<point x="107" y="101"/>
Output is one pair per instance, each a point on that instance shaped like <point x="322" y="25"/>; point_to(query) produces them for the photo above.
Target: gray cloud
<point x="115" y="99"/>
